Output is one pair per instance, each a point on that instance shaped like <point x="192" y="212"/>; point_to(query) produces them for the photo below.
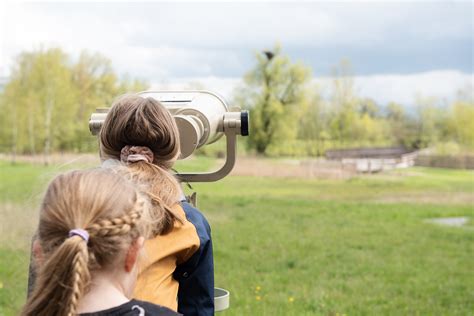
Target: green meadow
<point x="288" y="246"/>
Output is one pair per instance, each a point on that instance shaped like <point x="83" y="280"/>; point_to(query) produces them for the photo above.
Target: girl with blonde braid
<point x="140" y="139"/>
<point x="92" y="228"/>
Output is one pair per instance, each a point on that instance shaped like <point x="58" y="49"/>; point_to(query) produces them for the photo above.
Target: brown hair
<point x="109" y="209"/>
<point x="137" y="121"/>
<point x="133" y="120"/>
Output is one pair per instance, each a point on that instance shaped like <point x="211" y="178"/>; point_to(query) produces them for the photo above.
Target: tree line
<point x="49" y="97"/>
<point x="290" y="116"/>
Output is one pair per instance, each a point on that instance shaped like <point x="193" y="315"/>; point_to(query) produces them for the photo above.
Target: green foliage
<point x="444" y="126"/>
<point x="274" y="94"/>
<point x="46" y="104"/>
<point x="49" y="98"/>
<point x="461" y="122"/>
<point x="402" y="128"/>
<point x="352" y="119"/>
<point x="311" y="124"/>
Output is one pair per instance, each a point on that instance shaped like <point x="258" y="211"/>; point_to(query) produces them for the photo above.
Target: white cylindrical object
<point x="190" y="132"/>
<point x="204" y="106"/>
<point x="221" y="299"/>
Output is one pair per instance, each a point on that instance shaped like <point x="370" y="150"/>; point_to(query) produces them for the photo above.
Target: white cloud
<point x="222" y="86"/>
<point x="173" y="44"/>
<point x="147" y="33"/>
<point x="404" y="89"/>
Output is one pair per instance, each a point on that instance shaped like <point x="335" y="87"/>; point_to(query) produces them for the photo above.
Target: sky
<point x="398" y="50"/>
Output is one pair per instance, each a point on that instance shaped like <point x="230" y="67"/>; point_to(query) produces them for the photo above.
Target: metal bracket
<point x="231" y="140"/>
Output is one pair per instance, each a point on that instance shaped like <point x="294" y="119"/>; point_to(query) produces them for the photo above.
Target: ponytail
<point x="143" y="134"/>
<point x="112" y="214"/>
<point x="161" y="188"/>
<point x="62" y="280"/>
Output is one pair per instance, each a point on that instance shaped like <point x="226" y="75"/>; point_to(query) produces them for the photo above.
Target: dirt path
<point x="245" y="166"/>
<point x="291" y="168"/>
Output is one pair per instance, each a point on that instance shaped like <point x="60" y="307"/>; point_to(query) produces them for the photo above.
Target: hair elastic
<point x="137" y="157"/>
<point x="131" y="154"/>
<point x="81" y="233"/>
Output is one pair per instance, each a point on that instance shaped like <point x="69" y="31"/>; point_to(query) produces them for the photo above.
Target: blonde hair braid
<point x="116" y="226"/>
<point x="112" y="217"/>
<point x="81" y="277"/>
<point x="120" y="225"/>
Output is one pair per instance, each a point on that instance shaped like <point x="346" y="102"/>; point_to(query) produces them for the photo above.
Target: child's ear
<point x="133" y="252"/>
<point x="38" y="252"/>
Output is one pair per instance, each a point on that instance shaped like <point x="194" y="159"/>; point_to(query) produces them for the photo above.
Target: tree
<point x="461" y="123"/>
<point x="430" y="121"/>
<point x="313" y="125"/>
<point x="343" y="104"/>
<point x="368" y="107"/>
<point x="274" y="92"/>
<point x="96" y="85"/>
<point x="48" y="100"/>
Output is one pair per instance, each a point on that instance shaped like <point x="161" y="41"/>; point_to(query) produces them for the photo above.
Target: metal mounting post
<point x="231" y="140"/>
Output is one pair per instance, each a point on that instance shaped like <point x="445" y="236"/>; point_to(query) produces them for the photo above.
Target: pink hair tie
<point x="79" y="232"/>
<point x="131" y="154"/>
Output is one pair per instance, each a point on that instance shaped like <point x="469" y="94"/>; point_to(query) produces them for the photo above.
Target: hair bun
<point x="131" y="154"/>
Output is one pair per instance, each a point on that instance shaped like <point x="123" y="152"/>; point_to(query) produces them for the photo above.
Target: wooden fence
<point x="437" y="161"/>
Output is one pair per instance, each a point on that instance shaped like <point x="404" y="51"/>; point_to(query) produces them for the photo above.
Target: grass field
<point x="361" y="246"/>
